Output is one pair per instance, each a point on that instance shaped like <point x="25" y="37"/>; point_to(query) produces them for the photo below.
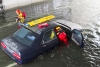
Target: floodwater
<point x="60" y="56"/>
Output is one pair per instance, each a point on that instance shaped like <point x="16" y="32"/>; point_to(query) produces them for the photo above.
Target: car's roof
<point x="54" y="23"/>
<point x="70" y="24"/>
<point x="39" y="30"/>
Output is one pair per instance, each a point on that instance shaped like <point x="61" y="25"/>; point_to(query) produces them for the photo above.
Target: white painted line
<point x="11" y="65"/>
<point x="10" y="24"/>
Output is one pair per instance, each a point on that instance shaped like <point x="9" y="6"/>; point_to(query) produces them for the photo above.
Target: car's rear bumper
<point x="8" y="53"/>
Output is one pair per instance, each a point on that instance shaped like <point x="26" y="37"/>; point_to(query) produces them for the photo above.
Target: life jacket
<point x="21" y="17"/>
<point x="63" y="37"/>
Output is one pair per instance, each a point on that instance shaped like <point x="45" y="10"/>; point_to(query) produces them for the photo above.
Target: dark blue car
<point x="27" y="43"/>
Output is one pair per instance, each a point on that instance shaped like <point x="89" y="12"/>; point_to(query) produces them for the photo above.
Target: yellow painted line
<point x="41" y="20"/>
<point x="11" y="65"/>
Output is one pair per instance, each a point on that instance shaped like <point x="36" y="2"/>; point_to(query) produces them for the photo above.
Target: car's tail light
<point x="16" y="55"/>
<point x="3" y="45"/>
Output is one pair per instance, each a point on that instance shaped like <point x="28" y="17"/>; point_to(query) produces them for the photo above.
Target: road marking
<point x="11" y="65"/>
<point x="10" y="24"/>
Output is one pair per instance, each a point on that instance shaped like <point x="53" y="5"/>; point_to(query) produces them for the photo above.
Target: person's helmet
<point x="58" y="28"/>
<point x="18" y="11"/>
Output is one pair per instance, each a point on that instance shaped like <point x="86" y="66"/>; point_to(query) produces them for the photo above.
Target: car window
<point x="25" y="36"/>
<point x="48" y="36"/>
<point x="78" y="34"/>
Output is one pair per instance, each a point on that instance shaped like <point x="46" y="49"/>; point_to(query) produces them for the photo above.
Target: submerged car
<point x="28" y="42"/>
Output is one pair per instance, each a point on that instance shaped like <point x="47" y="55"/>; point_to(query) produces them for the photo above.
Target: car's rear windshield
<point x="25" y="36"/>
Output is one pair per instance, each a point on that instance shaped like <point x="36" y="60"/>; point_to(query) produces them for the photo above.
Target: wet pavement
<point x="60" y="56"/>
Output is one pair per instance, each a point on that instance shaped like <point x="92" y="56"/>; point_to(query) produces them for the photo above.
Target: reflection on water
<point x="92" y="48"/>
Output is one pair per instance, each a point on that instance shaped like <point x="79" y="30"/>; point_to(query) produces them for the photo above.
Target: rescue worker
<point x="62" y="36"/>
<point x="21" y="17"/>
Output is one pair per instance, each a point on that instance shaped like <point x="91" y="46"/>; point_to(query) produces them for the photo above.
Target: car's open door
<point x="78" y="38"/>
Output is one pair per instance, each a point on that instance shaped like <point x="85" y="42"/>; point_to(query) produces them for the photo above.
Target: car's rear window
<point x="25" y="36"/>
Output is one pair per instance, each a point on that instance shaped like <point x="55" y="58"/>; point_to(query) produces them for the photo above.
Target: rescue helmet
<point x="18" y="11"/>
<point x="58" y="28"/>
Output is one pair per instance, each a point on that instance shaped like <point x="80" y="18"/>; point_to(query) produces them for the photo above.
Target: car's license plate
<point x="8" y="48"/>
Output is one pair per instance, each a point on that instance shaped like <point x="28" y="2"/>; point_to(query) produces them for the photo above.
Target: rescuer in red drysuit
<point x="21" y="17"/>
<point x="62" y="36"/>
